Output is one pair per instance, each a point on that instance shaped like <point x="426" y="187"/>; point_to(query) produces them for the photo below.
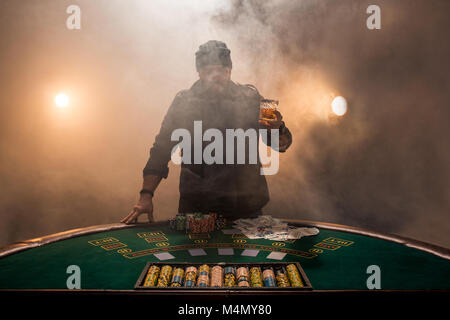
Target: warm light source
<point x="339" y="106"/>
<point x="62" y="100"/>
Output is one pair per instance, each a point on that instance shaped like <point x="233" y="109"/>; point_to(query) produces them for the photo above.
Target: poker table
<point x="112" y="257"/>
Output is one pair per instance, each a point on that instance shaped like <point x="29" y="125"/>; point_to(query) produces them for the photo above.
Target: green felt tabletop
<point x="332" y="260"/>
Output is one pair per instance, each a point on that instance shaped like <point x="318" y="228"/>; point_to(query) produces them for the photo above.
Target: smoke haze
<point x="383" y="166"/>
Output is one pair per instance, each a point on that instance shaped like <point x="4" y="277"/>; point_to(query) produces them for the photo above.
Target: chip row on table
<point x="269" y="278"/>
<point x="152" y="276"/>
<point x="242" y="277"/>
<point x="230" y="277"/>
<point x="218" y="276"/>
<point x="282" y="278"/>
<point x="203" y="276"/>
<point x="177" y="278"/>
<point x="255" y="277"/>
<point x="294" y="276"/>
<point x="190" y="277"/>
<point x="165" y="276"/>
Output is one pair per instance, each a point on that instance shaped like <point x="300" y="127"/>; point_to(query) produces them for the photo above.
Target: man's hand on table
<point x="144" y="205"/>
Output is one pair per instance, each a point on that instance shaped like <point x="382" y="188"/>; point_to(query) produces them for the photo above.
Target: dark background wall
<point x="383" y="166"/>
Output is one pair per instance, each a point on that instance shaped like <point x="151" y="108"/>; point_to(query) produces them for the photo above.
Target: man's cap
<point x="213" y="52"/>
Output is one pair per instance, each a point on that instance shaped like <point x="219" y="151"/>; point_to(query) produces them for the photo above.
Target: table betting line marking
<point x="141" y="253"/>
<point x="111" y="243"/>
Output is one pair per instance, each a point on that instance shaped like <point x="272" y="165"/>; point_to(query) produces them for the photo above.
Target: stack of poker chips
<point x="190" y="277"/>
<point x="230" y="277"/>
<point x="220" y="222"/>
<point x="217" y="276"/>
<point x="255" y="277"/>
<point x="165" y="276"/>
<point x="203" y="276"/>
<point x="152" y="276"/>
<point x="281" y="277"/>
<point x="189" y="219"/>
<point x="212" y="221"/>
<point x="180" y="222"/>
<point x="197" y="222"/>
<point x="177" y="278"/>
<point x="294" y="276"/>
<point x="242" y="277"/>
<point x="269" y="277"/>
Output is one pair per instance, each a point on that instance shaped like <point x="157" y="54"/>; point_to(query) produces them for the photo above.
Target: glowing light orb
<point x="339" y="106"/>
<point x="62" y="100"/>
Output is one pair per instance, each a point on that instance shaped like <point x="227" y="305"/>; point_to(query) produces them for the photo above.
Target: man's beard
<point x="215" y="88"/>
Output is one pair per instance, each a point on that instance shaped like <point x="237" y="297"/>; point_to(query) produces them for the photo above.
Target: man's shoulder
<point x="190" y="92"/>
<point x="182" y="98"/>
<point x="248" y="90"/>
<point x="182" y="94"/>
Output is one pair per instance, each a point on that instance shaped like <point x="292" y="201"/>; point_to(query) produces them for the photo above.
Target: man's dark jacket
<point x="234" y="190"/>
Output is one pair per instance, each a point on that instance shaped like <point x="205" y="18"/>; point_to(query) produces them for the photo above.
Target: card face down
<point x="225" y="251"/>
<point x="197" y="252"/>
<point x="250" y="253"/>
<point x="276" y="255"/>
<point x="164" y="256"/>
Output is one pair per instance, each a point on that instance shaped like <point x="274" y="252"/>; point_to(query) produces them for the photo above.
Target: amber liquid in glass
<point x="268" y="108"/>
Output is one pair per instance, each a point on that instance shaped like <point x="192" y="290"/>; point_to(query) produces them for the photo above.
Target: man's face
<point x="215" y="77"/>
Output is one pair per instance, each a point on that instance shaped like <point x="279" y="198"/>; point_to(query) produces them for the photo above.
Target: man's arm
<point x="285" y="138"/>
<point x="156" y="168"/>
<point x="160" y="153"/>
<point x="151" y="182"/>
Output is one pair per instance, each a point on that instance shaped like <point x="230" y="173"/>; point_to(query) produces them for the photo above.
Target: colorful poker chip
<point x="212" y="221"/>
<point x="269" y="278"/>
<point x="220" y="222"/>
<point x="230" y="277"/>
<point x="152" y="276"/>
<point x="229" y="280"/>
<point x="203" y="276"/>
<point x="190" y="277"/>
<point x="255" y="277"/>
<point x="198" y="215"/>
<point x="242" y="277"/>
<point x="294" y="276"/>
<point x="177" y="278"/>
<point x="180" y="222"/>
<point x="217" y="276"/>
<point x="165" y="276"/>
<point x="189" y="216"/>
<point x="282" y="278"/>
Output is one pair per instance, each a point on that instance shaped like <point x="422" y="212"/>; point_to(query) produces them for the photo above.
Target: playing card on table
<point x="164" y="256"/>
<point x="250" y="253"/>
<point x="276" y="255"/>
<point x="197" y="252"/>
